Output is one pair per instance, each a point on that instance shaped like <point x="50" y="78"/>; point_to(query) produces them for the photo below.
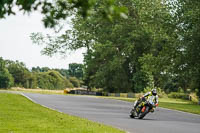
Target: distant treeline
<point x="16" y="74"/>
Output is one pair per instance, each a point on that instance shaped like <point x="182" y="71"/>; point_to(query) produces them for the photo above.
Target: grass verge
<point x="20" y="115"/>
<point x="41" y="91"/>
<point x="179" y="104"/>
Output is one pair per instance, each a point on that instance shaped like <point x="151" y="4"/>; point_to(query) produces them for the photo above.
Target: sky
<point x="15" y="43"/>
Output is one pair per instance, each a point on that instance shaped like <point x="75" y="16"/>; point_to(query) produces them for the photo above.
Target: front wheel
<point x="132" y="114"/>
<point x="142" y="114"/>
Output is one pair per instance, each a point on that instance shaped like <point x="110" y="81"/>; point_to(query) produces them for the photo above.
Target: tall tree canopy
<point x="114" y="48"/>
<point x="76" y="70"/>
<point x="156" y="45"/>
<point x="59" y="9"/>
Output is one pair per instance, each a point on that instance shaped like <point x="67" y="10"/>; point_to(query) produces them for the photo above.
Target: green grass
<point x="170" y="103"/>
<point x="179" y="104"/>
<point x="19" y="115"/>
<point x="41" y="91"/>
<point x="118" y="98"/>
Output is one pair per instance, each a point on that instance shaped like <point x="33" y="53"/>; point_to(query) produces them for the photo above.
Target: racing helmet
<point x="154" y="92"/>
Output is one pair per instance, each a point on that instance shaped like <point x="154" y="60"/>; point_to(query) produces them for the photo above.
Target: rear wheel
<point x="142" y="114"/>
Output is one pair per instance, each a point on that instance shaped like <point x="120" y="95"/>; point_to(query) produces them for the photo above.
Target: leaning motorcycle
<point x="143" y="109"/>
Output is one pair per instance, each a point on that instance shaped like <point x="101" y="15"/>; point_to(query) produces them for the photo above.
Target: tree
<point x="52" y="80"/>
<point x="74" y="81"/>
<point x="76" y="70"/>
<point x="6" y="79"/>
<point x="177" y="63"/>
<point x="38" y="69"/>
<point x="22" y="76"/>
<point x="112" y="60"/>
<point x="114" y="48"/>
<point x="103" y="70"/>
<point x="54" y="11"/>
<point x="63" y="72"/>
<point x="189" y="31"/>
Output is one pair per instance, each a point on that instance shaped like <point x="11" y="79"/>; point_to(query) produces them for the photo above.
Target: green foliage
<point x="68" y="84"/>
<point x="76" y="70"/>
<point x="160" y="92"/>
<point x="188" y="15"/>
<point x="174" y="59"/>
<point x="112" y="61"/>
<point x="45" y="81"/>
<point x="74" y="81"/>
<point x="38" y="69"/>
<point x="63" y="72"/>
<point x="54" y="11"/>
<point x="6" y="79"/>
<point x="106" y="71"/>
<point x="52" y="80"/>
<point x="179" y="95"/>
<point x="15" y="73"/>
<point x="22" y="76"/>
<point x="117" y="51"/>
<point x="32" y="81"/>
<point x="193" y="97"/>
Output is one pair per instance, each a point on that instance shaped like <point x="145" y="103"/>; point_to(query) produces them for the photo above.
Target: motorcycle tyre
<point x="132" y="114"/>
<point x="142" y="115"/>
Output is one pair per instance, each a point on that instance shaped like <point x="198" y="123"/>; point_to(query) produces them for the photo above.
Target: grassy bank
<point x="19" y="115"/>
<point x="41" y="91"/>
<point x="179" y="104"/>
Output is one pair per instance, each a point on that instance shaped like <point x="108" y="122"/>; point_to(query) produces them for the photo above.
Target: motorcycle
<point x="143" y="109"/>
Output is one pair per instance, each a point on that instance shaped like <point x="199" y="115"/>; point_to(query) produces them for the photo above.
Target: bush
<point x="74" y="81"/>
<point x="52" y="80"/>
<point x="194" y="98"/>
<point x="68" y="84"/>
<point x="160" y="92"/>
<point x="6" y="79"/>
<point x="137" y="95"/>
<point x="179" y="95"/>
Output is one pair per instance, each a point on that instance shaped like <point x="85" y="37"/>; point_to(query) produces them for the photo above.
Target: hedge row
<point x="184" y="96"/>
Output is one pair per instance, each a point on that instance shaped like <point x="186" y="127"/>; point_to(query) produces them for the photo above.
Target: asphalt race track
<point x="116" y="113"/>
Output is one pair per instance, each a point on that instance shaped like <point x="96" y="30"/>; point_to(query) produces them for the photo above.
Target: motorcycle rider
<point x="152" y="95"/>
